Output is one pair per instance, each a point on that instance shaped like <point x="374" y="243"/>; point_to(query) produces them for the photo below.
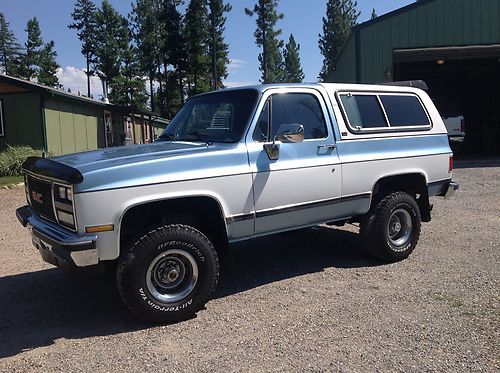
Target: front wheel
<point x="391" y="230"/>
<point x="168" y="274"/>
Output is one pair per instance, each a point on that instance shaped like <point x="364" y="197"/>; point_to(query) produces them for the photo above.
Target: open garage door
<point x="467" y="76"/>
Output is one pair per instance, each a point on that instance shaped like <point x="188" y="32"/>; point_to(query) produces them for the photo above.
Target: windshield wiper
<point x="200" y="136"/>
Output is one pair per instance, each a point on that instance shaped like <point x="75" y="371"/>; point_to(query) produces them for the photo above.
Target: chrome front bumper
<point x="58" y="246"/>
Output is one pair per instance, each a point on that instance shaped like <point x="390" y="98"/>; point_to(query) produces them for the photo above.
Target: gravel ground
<point x="303" y="301"/>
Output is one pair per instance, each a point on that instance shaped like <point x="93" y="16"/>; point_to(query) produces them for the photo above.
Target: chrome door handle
<point x="329" y="146"/>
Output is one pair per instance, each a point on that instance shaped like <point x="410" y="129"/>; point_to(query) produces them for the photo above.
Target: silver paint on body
<point x="313" y="181"/>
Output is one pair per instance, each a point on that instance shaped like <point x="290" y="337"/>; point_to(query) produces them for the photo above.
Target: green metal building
<point x="453" y="45"/>
<point x="61" y="123"/>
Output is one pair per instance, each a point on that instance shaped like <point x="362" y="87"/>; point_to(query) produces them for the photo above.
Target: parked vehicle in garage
<point x="237" y="164"/>
<point x="452" y="117"/>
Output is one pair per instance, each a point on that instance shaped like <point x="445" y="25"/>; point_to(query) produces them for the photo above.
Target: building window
<point x="2" y="132"/>
<point x="108" y="128"/>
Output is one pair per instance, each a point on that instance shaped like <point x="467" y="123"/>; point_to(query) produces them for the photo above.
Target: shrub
<point x="12" y="158"/>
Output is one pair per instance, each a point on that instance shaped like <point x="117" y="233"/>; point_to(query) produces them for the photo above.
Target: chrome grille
<point x="40" y="193"/>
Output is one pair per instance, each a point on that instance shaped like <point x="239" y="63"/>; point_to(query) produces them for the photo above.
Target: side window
<point x="404" y="111"/>
<point x="2" y="132"/>
<point x="298" y="108"/>
<point x="262" y="129"/>
<point x="363" y="111"/>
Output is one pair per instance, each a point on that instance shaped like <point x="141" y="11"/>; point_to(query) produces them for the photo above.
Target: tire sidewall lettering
<point x="184" y="245"/>
<point x="162" y="308"/>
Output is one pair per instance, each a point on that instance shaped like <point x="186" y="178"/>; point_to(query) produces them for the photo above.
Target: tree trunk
<point x="88" y="75"/>
<point x="151" y="92"/>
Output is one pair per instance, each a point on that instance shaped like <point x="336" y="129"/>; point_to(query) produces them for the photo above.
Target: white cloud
<point x="235" y="64"/>
<point x="75" y="79"/>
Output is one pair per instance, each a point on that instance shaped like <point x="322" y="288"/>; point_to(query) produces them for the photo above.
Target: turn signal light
<point x="100" y="228"/>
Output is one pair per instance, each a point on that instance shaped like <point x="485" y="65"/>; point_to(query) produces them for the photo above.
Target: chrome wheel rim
<point x="172" y="275"/>
<point x="399" y="228"/>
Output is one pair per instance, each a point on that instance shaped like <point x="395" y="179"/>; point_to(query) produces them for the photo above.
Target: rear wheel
<point x="392" y="228"/>
<point x="168" y="274"/>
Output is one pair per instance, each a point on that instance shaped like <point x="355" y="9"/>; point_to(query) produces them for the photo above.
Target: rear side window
<point x="383" y="111"/>
<point x="404" y="111"/>
<point x="363" y="111"/>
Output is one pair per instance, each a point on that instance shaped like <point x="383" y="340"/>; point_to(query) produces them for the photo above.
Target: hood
<point x="95" y="160"/>
<point x="160" y="162"/>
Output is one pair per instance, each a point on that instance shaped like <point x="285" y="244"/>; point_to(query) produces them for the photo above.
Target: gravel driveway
<point x="309" y="300"/>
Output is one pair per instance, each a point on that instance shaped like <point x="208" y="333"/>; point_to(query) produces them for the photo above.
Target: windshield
<point x="217" y="117"/>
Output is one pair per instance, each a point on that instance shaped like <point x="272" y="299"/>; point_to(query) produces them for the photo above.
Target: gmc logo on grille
<point x="37" y="197"/>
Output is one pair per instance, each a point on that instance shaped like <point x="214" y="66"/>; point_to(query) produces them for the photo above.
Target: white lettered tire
<point x="168" y="274"/>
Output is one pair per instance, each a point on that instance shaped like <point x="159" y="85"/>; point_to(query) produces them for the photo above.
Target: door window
<point x="291" y="108"/>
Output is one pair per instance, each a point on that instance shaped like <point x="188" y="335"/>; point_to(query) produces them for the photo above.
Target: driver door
<point x="303" y="186"/>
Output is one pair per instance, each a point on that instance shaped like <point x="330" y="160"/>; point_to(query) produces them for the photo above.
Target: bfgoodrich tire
<point x="168" y="274"/>
<point x="391" y="230"/>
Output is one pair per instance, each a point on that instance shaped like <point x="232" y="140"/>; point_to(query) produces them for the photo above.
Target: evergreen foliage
<point x="197" y="31"/>
<point x="47" y="75"/>
<point x="218" y="49"/>
<point x="173" y="60"/>
<point x="84" y="21"/>
<point x="128" y="87"/>
<point x="341" y="16"/>
<point x="10" y="49"/>
<point x="30" y="59"/>
<point x="374" y="14"/>
<point x="293" y="70"/>
<point x="146" y="32"/>
<point x="111" y="41"/>
<point x="266" y="34"/>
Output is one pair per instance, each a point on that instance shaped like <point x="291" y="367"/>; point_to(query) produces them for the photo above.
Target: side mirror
<point x="287" y="133"/>
<point x="290" y="133"/>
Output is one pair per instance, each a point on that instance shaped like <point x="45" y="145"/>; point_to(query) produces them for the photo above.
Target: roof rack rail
<point x="409" y="83"/>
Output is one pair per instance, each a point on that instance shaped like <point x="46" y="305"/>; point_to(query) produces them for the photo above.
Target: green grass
<point x="9" y="180"/>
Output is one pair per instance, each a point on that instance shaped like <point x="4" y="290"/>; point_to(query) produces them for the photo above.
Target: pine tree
<point x="147" y="38"/>
<point x="84" y="17"/>
<point x="47" y="75"/>
<point x="111" y="41"/>
<point x="266" y="34"/>
<point x="341" y="16"/>
<point x="293" y="69"/>
<point x="31" y="57"/>
<point x="374" y="14"/>
<point x="10" y="49"/>
<point x="128" y="88"/>
<point x="218" y="50"/>
<point x="173" y="64"/>
<point x="196" y="28"/>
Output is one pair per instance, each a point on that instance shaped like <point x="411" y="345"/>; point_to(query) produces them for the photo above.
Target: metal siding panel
<point x="53" y="127"/>
<point x="80" y="130"/>
<point x="485" y="21"/>
<point x="431" y="23"/>
<point x="67" y="128"/>
<point x="346" y="65"/>
<point x="422" y="25"/>
<point x="91" y="128"/>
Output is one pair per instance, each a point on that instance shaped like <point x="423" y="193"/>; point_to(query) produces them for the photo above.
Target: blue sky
<point x="303" y="18"/>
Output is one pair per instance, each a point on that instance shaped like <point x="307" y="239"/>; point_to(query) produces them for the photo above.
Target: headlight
<point x="66" y="218"/>
<point x="63" y="193"/>
<point x="63" y="203"/>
